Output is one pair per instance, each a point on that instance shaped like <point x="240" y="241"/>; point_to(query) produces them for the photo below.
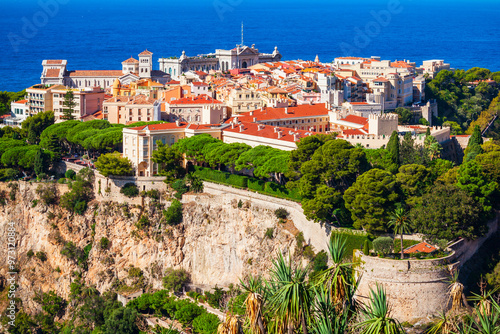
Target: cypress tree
<point x="393" y="148"/>
<point x="474" y="145"/>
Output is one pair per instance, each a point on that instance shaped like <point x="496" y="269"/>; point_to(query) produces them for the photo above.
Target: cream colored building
<point x="140" y="142"/>
<point x="432" y="67"/>
<point x="201" y="109"/>
<point x="242" y="100"/>
<point x="87" y="101"/>
<point x="131" y="109"/>
<point x="40" y="98"/>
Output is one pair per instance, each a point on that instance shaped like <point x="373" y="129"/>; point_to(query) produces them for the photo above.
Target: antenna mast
<point x="242" y="34"/>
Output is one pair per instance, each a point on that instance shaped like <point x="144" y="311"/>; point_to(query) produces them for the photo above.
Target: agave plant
<point x="375" y="317"/>
<point x="254" y="304"/>
<point x="291" y="297"/>
<point x="444" y="325"/>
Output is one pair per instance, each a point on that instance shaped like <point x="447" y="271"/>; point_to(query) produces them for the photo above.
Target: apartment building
<point x="131" y="109"/>
<point x="87" y="101"/>
<point x="201" y="109"/>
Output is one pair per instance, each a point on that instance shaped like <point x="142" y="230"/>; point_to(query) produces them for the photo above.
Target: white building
<point x="221" y="60"/>
<point x="19" y="111"/>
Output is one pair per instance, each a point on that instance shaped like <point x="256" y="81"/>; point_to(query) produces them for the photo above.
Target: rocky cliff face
<point x="217" y="242"/>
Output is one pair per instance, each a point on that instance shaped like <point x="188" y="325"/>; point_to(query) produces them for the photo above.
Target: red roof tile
<point x="145" y="53"/>
<point x="52" y="73"/>
<point x="131" y="60"/>
<point x="201" y="99"/>
<point x="100" y="73"/>
<point x="355" y="119"/>
<point x="267" y="131"/>
<point x="162" y="126"/>
<point x="54" y="62"/>
<point x="21" y="101"/>
<point x="422" y="247"/>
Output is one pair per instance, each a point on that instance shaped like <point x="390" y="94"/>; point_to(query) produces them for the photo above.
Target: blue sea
<point x="101" y="34"/>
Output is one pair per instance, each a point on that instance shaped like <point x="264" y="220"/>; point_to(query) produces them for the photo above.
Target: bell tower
<point x="145" y="64"/>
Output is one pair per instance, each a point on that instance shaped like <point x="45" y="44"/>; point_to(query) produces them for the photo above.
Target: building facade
<point x="220" y="60"/>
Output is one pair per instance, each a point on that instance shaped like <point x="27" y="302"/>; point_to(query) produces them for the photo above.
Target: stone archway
<point x="244" y="64"/>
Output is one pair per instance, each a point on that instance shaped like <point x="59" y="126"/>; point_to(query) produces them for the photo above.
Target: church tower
<point x="145" y="64"/>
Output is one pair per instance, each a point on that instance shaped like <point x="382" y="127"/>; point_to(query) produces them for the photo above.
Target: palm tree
<point x="254" y="304"/>
<point x="400" y="224"/>
<point x="291" y="297"/>
<point x="456" y="292"/>
<point x="375" y="317"/>
<point x="195" y="183"/>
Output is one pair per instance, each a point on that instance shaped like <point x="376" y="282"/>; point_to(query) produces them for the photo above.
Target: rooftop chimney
<point x="242" y="127"/>
<point x="260" y="127"/>
<point x="255" y="119"/>
<point x="286" y="110"/>
<point x="178" y="122"/>
<point x="296" y="136"/>
<point x="251" y="113"/>
<point x="233" y="125"/>
<point x="276" y="129"/>
<point x="280" y="134"/>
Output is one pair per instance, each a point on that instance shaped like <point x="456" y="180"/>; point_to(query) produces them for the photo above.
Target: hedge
<point x="245" y="182"/>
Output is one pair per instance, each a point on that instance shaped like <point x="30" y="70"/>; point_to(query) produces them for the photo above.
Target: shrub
<point x="308" y="252"/>
<point x="47" y="193"/>
<point x="30" y="254"/>
<point x="281" y="213"/>
<point x="300" y="240"/>
<point x="256" y="184"/>
<point x="180" y="188"/>
<point x="269" y="233"/>
<point x="61" y="180"/>
<point x="173" y="215"/>
<point x="206" y="323"/>
<point x="153" y="194"/>
<point x="34" y="203"/>
<point x="13" y="189"/>
<point x="214" y="298"/>
<point x="175" y="279"/>
<point x="130" y="190"/>
<point x="135" y="272"/>
<point x="41" y="256"/>
<point x="143" y="222"/>
<point x="240" y="204"/>
<point x="104" y="243"/>
<point x="188" y="312"/>
<point x="383" y="245"/>
<point x="221" y="177"/>
<point x="366" y="248"/>
<point x="70" y="174"/>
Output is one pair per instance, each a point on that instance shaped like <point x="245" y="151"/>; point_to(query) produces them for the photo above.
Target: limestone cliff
<point x="217" y="242"/>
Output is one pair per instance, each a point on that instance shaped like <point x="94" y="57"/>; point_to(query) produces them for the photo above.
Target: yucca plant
<point x="324" y="318"/>
<point x="338" y="277"/>
<point x="291" y="297"/>
<point x="375" y="317"/>
<point x="444" y="325"/>
<point x="254" y="304"/>
<point x="456" y="292"/>
<point x="231" y="325"/>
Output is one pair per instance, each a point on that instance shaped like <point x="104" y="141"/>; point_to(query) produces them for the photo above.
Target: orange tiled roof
<point x="131" y="60"/>
<point x="200" y="99"/>
<point x="267" y="131"/>
<point x="162" y="126"/>
<point x="145" y="53"/>
<point x="54" y="62"/>
<point x="422" y="247"/>
<point x="98" y="73"/>
<point x="52" y="73"/>
<point x="305" y="110"/>
<point x="21" y="101"/>
<point x="201" y="84"/>
<point x="355" y="119"/>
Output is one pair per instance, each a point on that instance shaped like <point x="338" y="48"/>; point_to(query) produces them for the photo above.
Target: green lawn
<point x="354" y="241"/>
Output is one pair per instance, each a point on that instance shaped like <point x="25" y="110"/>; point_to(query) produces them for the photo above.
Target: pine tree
<point x="393" y="148"/>
<point x="55" y="146"/>
<point x="39" y="162"/>
<point x="428" y="132"/>
<point x="69" y="105"/>
<point x="474" y="146"/>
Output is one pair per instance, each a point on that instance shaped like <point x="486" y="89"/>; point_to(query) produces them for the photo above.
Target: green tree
<point x="40" y="162"/>
<point x="169" y="161"/>
<point x="371" y="198"/>
<point x="175" y="279"/>
<point x="122" y="320"/>
<point x="474" y="145"/>
<point x="33" y="126"/>
<point x="206" y="323"/>
<point x="413" y="180"/>
<point x="437" y="219"/>
<point x="393" y="148"/>
<point x="173" y="215"/>
<point x="405" y="115"/>
<point x="472" y="180"/>
<point x="400" y="224"/>
<point x="113" y="164"/>
<point x="69" y="104"/>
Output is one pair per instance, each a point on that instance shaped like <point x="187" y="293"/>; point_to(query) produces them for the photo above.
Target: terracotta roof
<point x="173" y="82"/>
<point x="422" y="247"/>
<point x="353" y="132"/>
<point x="201" y="99"/>
<point x="355" y="119"/>
<point x="202" y="126"/>
<point x="162" y="126"/>
<point x="358" y="103"/>
<point x="95" y="115"/>
<point x="267" y="131"/>
<point x="306" y="110"/>
<point x="380" y="80"/>
<point x="54" y="62"/>
<point x="52" y="73"/>
<point x="201" y="84"/>
<point x="142" y="99"/>
<point x="21" y="101"/>
<point x="100" y="73"/>
<point x="201" y="73"/>
<point x="131" y="60"/>
<point x="145" y="53"/>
